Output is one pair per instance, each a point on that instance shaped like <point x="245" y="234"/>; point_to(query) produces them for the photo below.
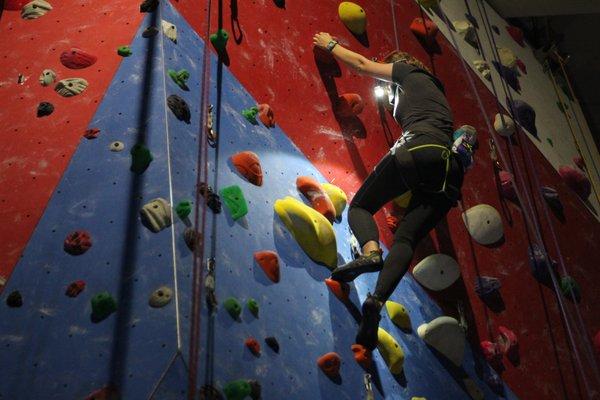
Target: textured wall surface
<point x="273" y="62"/>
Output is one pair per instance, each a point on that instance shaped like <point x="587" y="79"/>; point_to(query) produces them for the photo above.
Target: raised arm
<point x="356" y="61"/>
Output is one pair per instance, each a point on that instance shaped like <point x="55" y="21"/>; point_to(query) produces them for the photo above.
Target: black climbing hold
<point x="209" y="392"/>
<point x="140" y="158"/>
<point x="179" y="108"/>
<point x="272" y="342"/>
<point x="150" y="32"/>
<point x="279" y="3"/>
<point x="212" y="199"/>
<point x="148" y="6"/>
<point x="14" y="299"/>
<point x="44" y="109"/>
<point x="191" y="238"/>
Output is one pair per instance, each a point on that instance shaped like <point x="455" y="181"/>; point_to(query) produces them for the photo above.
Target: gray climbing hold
<point x="484" y="224"/>
<point x="35" y="9"/>
<point x="156" y="215"/>
<point x="484" y="68"/>
<point x="504" y="125"/>
<point x="117" y="146"/>
<point x="169" y="30"/>
<point x="446" y="336"/>
<point x="437" y="272"/>
<point x="160" y="297"/>
<point x="47" y="77"/>
<point x="71" y="87"/>
<point x="467" y="31"/>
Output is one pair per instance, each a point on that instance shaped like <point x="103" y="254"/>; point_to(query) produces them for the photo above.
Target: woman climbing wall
<point x="425" y="160"/>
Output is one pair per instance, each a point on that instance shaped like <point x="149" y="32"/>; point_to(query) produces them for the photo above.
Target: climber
<point x="426" y="159"/>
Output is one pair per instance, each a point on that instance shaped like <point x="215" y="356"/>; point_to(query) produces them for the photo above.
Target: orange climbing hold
<point x="350" y="104"/>
<point x="424" y="29"/>
<point x="265" y="113"/>
<point x="320" y="201"/>
<point x="362" y="356"/>
<point x="269" y="262"/>
<point x="248" y="164"/>
<point x="253" y="345"/>
<point x="341" y="290"/>
<point x="330" y="365"/>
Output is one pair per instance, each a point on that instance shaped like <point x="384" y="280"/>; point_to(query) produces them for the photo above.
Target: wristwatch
<point x="331" y="45"/>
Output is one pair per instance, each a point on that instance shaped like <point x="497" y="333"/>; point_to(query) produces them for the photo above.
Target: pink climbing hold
<point x="266" y="115"/>
<point x="392" y="222"/>
<point x="320" y="201"/>
<point x="330" y="365"/>
<point x="91" y="133"/>
<point x="507" y="186"/>
<point x="426" y="30"/>
<point x="507" y="341"/>
<point x="269" y="262"/>
<point x="349" y="104"/>
<point x="516" y="34"/>
<point x="491" y="351"/>
<point x="580" y="162"/>
<point x="14" y="5"/>
<point x="77" y="59"/>
<point x="576" y="180"/>
<point x="522" y="66"/>
<point x="77" y="243"/>
<point x="75" y="288"/>
<point x="341" y="290"/>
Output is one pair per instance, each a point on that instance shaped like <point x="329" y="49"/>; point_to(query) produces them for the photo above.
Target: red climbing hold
<point x="77" y="59"/>
<point x="580" y="162"/>
<point x="77" y="242"/>
<point x="91" y="133"/>
<point x="392" y="222"/>
<point x="426" y="30"/>
<point x="269" y="262"/>
<point x="516" y="34"/>
<point x="14" y="5"/>
<point x="266" y="115"/>
<point x="349" y="104"/>
<point x="320" y="201"/>
<point x="75" y="288"/>
<point x="507" y="186"/>
<point x="248" y="165"/>
<point x="507" y="341"/>
<point x="341" y="290"/>
<point x="253" y="345"/>
<point x="330" y="365"/>
<point x="576" y="180"/>
<point x="362" y="356"/>
<point x="491" y="351"/>
<point x="522" y="66"/>
<point x="106" y="393"/>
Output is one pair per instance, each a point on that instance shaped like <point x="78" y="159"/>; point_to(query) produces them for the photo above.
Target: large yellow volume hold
<point x="390" y="350"/>
<point x="403" y="200"/>
<point x="313" y="232"/>
<point x="353" y="16"/>
<point x="337" y="196"/>
<point x="398" y="315"/>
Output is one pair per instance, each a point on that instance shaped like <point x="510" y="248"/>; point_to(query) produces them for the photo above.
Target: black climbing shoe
<point x="369" y="324"/>
<point x="373" y="262"/>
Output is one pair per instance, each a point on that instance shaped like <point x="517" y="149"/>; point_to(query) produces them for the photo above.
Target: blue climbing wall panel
<point x="51" y="339"/>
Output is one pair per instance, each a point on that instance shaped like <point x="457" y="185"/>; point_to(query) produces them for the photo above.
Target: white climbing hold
<point x="169" y="30"/>
<point x="156" y="215"/>
<point x="507" y="57"/>
<point x="504" y="125"/>
<point x="117" y="146"/>
<point x="35" y="9"/>
<point x="437" y="271"/>
<point x="467" y="31"/>
<point x="446" y="336"/>
<point x="47" y="77"/>
<point x="71" y="87"/>
<point x="484" y="68"/>
<point x="484" y="224"/>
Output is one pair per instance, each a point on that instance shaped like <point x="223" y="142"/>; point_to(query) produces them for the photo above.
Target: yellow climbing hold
<point x="507" y="57"/>
<point x="418" y="398"/>
<point x="353" y="16"/>
<point x="390" y="350"/>
<point x="312" y="230"/>
<point x="337" y="196"/>
<point x="402" y="201"/>
<point x="428" y="3"/>
<point x="398" y="314"/>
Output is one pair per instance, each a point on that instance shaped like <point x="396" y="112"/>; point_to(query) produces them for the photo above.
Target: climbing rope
<point x="199" y="223"/>
<point x="395" y="26"/>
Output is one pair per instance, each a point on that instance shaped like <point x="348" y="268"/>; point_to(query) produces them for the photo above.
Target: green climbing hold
<point x="237" y="390"/>
<point x="233" y="307"/>
<point x="124" y="51"/>
<point x="234" y="201"/>
<point x="103" y="304"/>
<point x="180" y="77"/>
<point x="250" y="114"/>
<point x="550" y="142"/>
<point x="183" y="209"/>
<point x="219" y="40"/>
<point x="253" y="307"/>
<point x="140" y="158"/>
<point x="570" y="288"/>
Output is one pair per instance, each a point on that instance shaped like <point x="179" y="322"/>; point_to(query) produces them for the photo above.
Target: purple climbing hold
<point x="524" y="114"/>
<point x="14" y="299"/>
<point x="510" y="75"/>
<point x="273" y="344"/>
<point x="486" y="285"/>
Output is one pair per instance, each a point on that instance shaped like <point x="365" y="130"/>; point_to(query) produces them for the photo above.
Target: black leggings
<point x="424" y="211"/>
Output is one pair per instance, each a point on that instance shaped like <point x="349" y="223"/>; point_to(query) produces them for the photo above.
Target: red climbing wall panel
<point x="36" y="151"/>
<point x="273" y="58"/>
